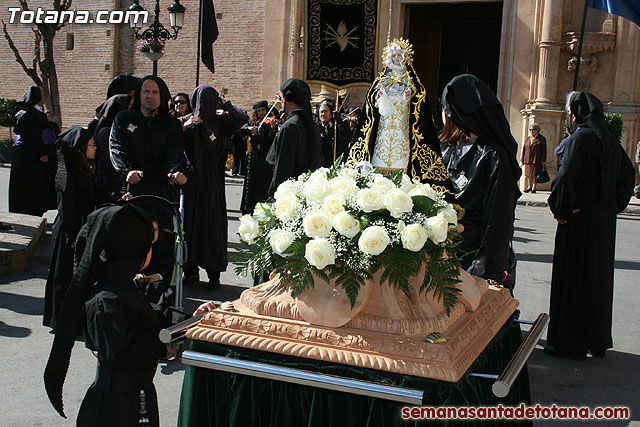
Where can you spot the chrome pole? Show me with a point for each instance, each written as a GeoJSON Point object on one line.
{"type": "Point", "coordinates": [296, 376]}
{"type": "Point", "coordinates": [503, 384]}
{"type": "Point", "coordinates": [178, 330]}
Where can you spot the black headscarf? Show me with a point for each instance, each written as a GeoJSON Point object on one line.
{"type": "Point", "coordinates": [589, 113]}
{"type": "Point", "coordinates": [471, 106]}
{"type": "Point", "coordinates": [31, 97]}
{"type": "Point", "coordinates": [204, 101]}
{"type": "Point", "coordinates": [165, 95]}
{"type": "Point", "coordinates": [298, 91]}
{"type": "Point", "coordinates": [260, 104]}
{"type": "Point", "coordinates": [109, 109]}
{"type": "Point", "coordinates": [122, 84]}
{"type": "Point", "coordinates": [115, 238]}
{"type": "Point", "coordinates": [70, 143]}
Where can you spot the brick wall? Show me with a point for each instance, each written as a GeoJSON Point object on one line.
{"type": "Point", "coordinates": [103, 51]}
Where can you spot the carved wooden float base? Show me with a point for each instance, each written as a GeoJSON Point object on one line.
{"type": "Point", "coordinates": [403, 354]}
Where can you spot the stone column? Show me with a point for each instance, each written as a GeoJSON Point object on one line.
{"type": "Point", "coordinates": [550, 45]}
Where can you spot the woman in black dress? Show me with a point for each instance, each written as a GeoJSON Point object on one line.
{"type": "Point", "coordinates": [76, 200]}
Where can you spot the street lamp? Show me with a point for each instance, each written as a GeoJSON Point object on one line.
{"type": "Point", "coordinates": [156, 30]}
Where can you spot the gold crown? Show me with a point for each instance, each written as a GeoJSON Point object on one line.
{"type": "Point", "coordinates": [406, 47]}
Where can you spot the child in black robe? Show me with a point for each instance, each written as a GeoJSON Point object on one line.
{"type": "Point", "coordinates": [119, 325]}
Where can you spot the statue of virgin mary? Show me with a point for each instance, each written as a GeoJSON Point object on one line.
{"type": "Point", "coordinates": [397, 131]}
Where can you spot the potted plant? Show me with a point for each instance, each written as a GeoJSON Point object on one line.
{"type": "Point", "coordinates": [343, 224]}
{"type": "Point", "coordinates": [152, 49]}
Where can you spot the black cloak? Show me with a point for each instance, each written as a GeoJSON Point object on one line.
{"type": "Point", "coordinates": [425, 159]}
{"type": "Point", "coordinates": [205, 216]}
{"type": "Point", "coordinates": [120, 326]}
{"type": "Point", "coordinates": [122, 84]}
{"type": "Point", "coordinates": [297, 146]}
{"type": "Point", "coordinates": [151, 144]}
{"type": "Point", "coordinates": [107, 183]}
{"type": "Point", "coordinates": [28, 190]}
{"type": "Point", "coordinates": [485, 179]}
{"type": "Point", "coordinates": [594, 184]}
{"type": "Point", "coordinates": [76, 200]}
{"type": "Point", "coordinates": [258, 172]}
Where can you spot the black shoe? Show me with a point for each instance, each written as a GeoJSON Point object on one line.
{"type": "Point", "coordinates": [214, 280]}
{"type": "Point", "coordinates": [533, 191]}
{"type": "Point", "coordinates": [601, 353]}
{"type": "Point", "coordinates": [527, 190]}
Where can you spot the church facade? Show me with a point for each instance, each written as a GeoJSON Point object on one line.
{"type": "Point", "coordinates": [526, 50]}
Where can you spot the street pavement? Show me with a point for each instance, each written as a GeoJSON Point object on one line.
{"type": "Point", "coordinates": [614, 380]}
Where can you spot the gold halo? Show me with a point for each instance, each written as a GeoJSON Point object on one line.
{"type": "Point", "coordinates": [406, 47]}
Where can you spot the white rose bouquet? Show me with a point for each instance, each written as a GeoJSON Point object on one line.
{"type": "Point", "coordinates": [344, 223]}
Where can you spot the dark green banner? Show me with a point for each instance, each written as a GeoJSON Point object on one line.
{"type": "Point", "coordinates": [341, 42]}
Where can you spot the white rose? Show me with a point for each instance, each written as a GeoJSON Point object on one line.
{"type": "Point", "coordinates": [424, 190]}
{"type": "Point", "coordinates": [249, 229]}
{"type": "Point", "coordinates": [397, 202]}
{"type": "Point", "coordinates": [382, 184]}
{"type": "Point", "coordinates": [450, 214]}
{"type": "Point", "coordinates": [319, 253]}
{"type": "Point", "coordinates": [280, 240]}
{"type": "Point", "coordinates": [438, 227]}
{"type": "Point", "coordinates": [286, 206]}
{"type": "Point", "coordinates": [370, 200]}
{"type": "Point", "coordinates": [343, 185]}
{"type": "Point", "coordinates": [333, 204]}
{"type": "Point", "coordinates": [316, 189]}
{"type": "Point", "coordinates": [283, 189]}
{"type": "Point", "coordinates": [319, 173]}
{"type": "Point", "coordinates": [316, 223]}
{"type": "Point", "coordinates": [346, 224]}
{"type": "Point", "coordinates": [406, 183]}
{"type": "Point", "coordinates": [374, 240]}
{"type": "Point", "coordinates": [413, 237]}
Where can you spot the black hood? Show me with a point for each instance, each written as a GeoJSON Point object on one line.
{"type": "Point", "coordinates": [165, 95]}
{"type": "Point", "coordinates": [471, 106]}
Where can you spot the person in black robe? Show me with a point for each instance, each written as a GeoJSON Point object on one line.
{"type": "Point", "coordinates": [594, 184]}
{"type": "Point", "coordinates": [326, 127]}
{"type": "Point", "coordinates": [76, 200]}
{"type": "Point", "coordinates": [108, 183]}
{"type": "Point", "coordinates": [118, 324]}
{"type": "Point", "coordinates": [205, 209]}
{"type": "Point", "coordinates": [28, 193]}
{"type": "Point", "coordinates": [259, 172]}
{"type": "Point", "coordinates": [146, 142]}
{"type": "Point", "coordinates": [480, 154]}
{"type": "Point", "coordinates": [296, 148]}
{"type": "Point", "coordinates": [49, 137]}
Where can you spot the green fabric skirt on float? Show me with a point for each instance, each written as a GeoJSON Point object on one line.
{"type": "Point", "coordinates": [216, 398]}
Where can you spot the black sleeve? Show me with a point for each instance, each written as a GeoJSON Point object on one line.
{"type": "Point", "coordinates": [234, 121]}
{"type": "Point", "coordinates": [113, 336]}
{"type": "Point", "coordinates": [176, 159]}
{"type": "Point", "coordinates": [563, 196]}
{"type": "Point", "coordinates": [282, 156]}
{"type": "Point", "coordinates": [70, 211]}
{"type": "Point", "coordinates": [498, 214]}
{"type": "Point", "coordinates": [31, 134]}
{"type": "Point", "coordinates": [119, 144]}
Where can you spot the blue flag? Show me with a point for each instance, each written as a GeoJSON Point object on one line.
{"type": "Point", "coordinates": [629, 9]}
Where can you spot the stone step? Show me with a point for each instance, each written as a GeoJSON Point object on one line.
{"type": "Point", "coordinates": [17, 245]}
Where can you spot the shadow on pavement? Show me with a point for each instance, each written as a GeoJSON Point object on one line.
{"type": "Point", "coordinates": [13, 331]}
{"type": "Point", "coordinates": [23, 304]}
{"type": "Point", "coordinates": [595, 382]}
